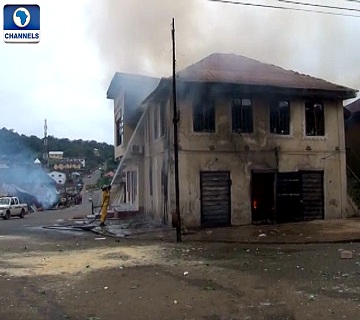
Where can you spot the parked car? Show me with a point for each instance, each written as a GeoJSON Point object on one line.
{"type": "Point", "coordinates": [11, 206]}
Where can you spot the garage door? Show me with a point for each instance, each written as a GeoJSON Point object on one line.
{"type": "Point", "coordinates": [288, 197]}
{"type": "Point", "coordinates": [313, 195]}
{"type": "Point", "coordinates": [215, 187]}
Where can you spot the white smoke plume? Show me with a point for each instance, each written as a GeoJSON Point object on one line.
{"type": "Point", "coordinates": [135, 36]}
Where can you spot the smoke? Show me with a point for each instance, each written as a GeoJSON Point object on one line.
{"type": "Point", "coordinates": [134, 36]}
{"type": "Point", "coordinates": [20, 177]}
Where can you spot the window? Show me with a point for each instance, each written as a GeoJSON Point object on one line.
{"type": "Point", "coordinates": [156, 123]}
{"type": "Point", "coordinates": [147, 128]}
{"type": "Point", "coordinates": [162, 115]}
{"type": "Point", "coordinates": [280, 117]}
{"type": "Point", "coordinates": [131, 186]}
{"type": "Point", "coordinates": [204, 116]}
{"type": "Point", "coordinates": [150, 179]}
{"type": "Point", "coordinates": [120, 131]}
{"type": "Point", "coordinates": [242, 117]}
{"type": "Point", "coordinates": [314, 119]}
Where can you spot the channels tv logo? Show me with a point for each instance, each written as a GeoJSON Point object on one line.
{"type": "Point", "coordinates": [21, 23]}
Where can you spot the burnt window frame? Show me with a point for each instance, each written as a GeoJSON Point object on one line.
{"type": "Point", "coordinates": [278, 120]}
{"type": "Point", "coordinates": [317, 128]}
{"type": "Point", "coordinates": [240, 121]}
{"type": "Point", "coordinates": [120, 130]}
{"type": "Point", "coordinates": [204, 115]}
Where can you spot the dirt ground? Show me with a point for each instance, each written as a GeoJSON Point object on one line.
{"type": "Point", "coordinates": [79, 276]}
{"type": "Point", "coordinates": [55, 275]}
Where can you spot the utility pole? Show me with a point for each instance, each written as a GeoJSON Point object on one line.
{"type": "Point", "coordinates": [46, 151]}
{"type": "Point", "coordinates": [176, 143]}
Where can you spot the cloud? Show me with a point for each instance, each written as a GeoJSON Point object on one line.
{"type": "Point", "coordinates": [58, 79]}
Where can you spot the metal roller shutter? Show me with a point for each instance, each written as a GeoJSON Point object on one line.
{"type": "Point", "coordinates": [288, 197]}
{"type": "Point", "coordinates": [313, 195]}
{"type": "Point", "coordinates": [215, 189]}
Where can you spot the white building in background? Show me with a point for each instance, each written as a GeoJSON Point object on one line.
{"type": "Point", "coordinates": [56, 154]}
{"type": "Point", "coordinates": [59, 177]}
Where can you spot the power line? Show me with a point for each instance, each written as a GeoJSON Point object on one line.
{"type": "Point", "coordinates": [284, 8]}
{"type": "Point", "coordinates": [358, 1]}
{"type": "Point", "coordinates": [318, 5]}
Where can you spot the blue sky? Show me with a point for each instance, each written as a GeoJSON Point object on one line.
{"type": "Point", "coordinates": [64, 78]}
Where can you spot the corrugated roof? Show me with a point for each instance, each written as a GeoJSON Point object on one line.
{"type": "Point", "coordinates": [354, 106]}
{"type": "Point", "coordinates": [237, 69]}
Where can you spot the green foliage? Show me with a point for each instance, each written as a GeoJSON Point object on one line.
{"type": "Point", "coordinates": [15, 146]}
{"type": "Point", "coordinates": [111, 165]}
{"type": "Point", "coordinates": [103, 181]}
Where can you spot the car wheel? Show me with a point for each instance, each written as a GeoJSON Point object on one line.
{"type": "Point", "coordinates": [22, 214]}
{"type": "Point", "coordinates": [7, 216]}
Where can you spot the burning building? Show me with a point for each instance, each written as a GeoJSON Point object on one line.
{"type": "Point", "coordinates": [256, 143]}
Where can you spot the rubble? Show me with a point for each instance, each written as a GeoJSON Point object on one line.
{"type": "Point", "coordinates": [346, 254]}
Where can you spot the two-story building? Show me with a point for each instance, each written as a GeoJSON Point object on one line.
{"type": "Point", "coordinates": [256, 143]}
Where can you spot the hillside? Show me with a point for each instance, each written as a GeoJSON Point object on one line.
{"type": "Point", "coordinates": [21, 148]}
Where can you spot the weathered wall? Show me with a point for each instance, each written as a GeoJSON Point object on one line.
{"type": "Point", "coordinates": [240, 153]}
{"type": "Point", "coordinates": [156, 156]}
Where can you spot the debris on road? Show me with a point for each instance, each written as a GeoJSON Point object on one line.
{"type": "Point", "coordinates": [346, 254]}
{"type": "Point", "coordinates": [262, 235]}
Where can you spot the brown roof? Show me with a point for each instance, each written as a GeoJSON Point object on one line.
{"type": "Point", "coordinates": [354, 106]}
{"type": "Point", "coordinates": [237, 69]}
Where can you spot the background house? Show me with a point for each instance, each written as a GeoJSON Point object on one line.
{"type": "Point", "coordinates": [256, 143]}
{"type": "Point", "coordinates": [56, 155]}
{"type": "Point", "coordinates": [353, 136]}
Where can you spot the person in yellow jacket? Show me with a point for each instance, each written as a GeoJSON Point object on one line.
{"type": "Point", "coordinates": [105, 204]}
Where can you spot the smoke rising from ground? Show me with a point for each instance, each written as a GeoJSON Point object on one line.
{"type": "Point", "coordinates": [134, 36]}
{"type": "Point", "coordinates": [20, 177]}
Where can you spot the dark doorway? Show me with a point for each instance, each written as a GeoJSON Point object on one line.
{"type": "Point", "coordinates": [262, 197]}
{"type": "Point", "coordinates": [287, 196]}
{"type": "Point", "coordinates": [215, 187]}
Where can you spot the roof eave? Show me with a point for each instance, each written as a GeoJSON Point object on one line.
{"type": "Point", "coordinates": [342, 93]}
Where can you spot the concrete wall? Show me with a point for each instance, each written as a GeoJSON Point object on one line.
{"type": "Point", "coordinates": [241, 153]}
{"type": "Point", "coordinates": [156, 156]}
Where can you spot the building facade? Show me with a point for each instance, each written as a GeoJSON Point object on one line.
{"type": "Point", "coordinates": [257, 143]}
